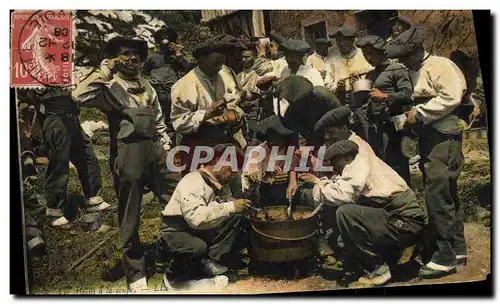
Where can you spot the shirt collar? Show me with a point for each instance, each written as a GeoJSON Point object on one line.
{"type": "Point", "coordinates": [318, 55]}
{"type": "Point", "coordinates": [351, 54]}
{"type": "Point", "coordinates": [202, 75]}
{"type": "Point", "coordinates": [216, 183]}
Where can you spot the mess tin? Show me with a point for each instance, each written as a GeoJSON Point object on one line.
{"type": "Point", "coordinates": [399, 121]}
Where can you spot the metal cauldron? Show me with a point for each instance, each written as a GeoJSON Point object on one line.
{"type": "Point", "coordinates": [283, 240]}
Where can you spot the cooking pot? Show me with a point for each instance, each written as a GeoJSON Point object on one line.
{"type": "Point", "coordinates": [286, 240]}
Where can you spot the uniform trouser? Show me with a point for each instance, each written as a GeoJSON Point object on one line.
{"type": "Point", "coordinates": [372, 236]}
{"type": "Point", "coordinates": [65, 142]}
{"type": "Point", "coordinates": [386, 144]}
{"type": "Point", "coordinates": [184, 247]}
{"type": "Point", "coordinates": [139, 163]}
{"type": "Point", "coordinates": [441, 163]}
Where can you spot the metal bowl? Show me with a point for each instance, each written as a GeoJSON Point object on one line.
{"type": "Point", "coordinates": [91, 222]}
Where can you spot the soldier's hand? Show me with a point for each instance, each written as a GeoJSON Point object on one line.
{"type": "Point", "coordinates": [166, 147]}
{"type": "Point", "coordinates": [291, 190]}
{"type": "Point", "coordinates": [240, 205]}
{"type": "Point", "coordinates": [411, 118]}
{"type": "Point", "coordinates": [308, 178]}
{"type": "Point", "coordinates": [378, 95]}
{"type": "Point", "coordinates": [341, 86]}
{"type": "Point", "coordinates": [216, 106]}
{"type": "Point", "coordinates": [254, 176]}
{"type": "Point", "coordinates": [112, 64]}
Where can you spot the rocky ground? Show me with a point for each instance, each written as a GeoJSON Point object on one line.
{"type": "Point", "coordinates": [103, 272]}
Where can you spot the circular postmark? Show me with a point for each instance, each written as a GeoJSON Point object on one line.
{"type": "Point", "coordinates": [45, 47]}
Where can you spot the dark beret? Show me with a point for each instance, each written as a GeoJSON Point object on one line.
{"type": "Point", "coordinates": [334, 118]}
{"type": "Point", "coordinates": [341, 148]}
{"type": "Point", "coordinates": [273, 123]}
{"type": "Point", "coordinates": [295, 45]}
{"type": "Point", "coordinates": [220, 44]}
{"type": "Point", "coordinates": [402, 19]}
{"type": "Point", "coordinates": [233, 43]}
{"type": "Point", "coordinates": [344, 31]}
{"type": "Point", "coordinates": [324, 95]}
{"type": "Point", "coordinates": [406, 42]}
{"type": "Point", "coordinates": [113, 46]}
{"type": "Point", "coordinates": [323, 41]}
{"type": "Point", "coordinates": [294, 88]}
{"type": "Point", "coordinates": [375, 41]}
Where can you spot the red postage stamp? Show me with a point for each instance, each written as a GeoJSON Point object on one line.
{"type": "Point", "coordinates": [42, 44]}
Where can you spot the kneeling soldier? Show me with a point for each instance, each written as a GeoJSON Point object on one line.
{"type": "Point", "coordinates": [376, 213]}
{"type": "Point", "coordinates": [202, 231]}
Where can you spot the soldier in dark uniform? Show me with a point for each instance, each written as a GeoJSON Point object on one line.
{"type": "Point", "coordinates": [139, 142]}
{"type": "Point", "coordinates": [391, 95]}
{"type": "Point", "coordinates": [65, 141]}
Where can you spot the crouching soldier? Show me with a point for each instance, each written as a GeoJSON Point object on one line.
{"type": "Point", "coordinates": [138, 142]}
{"type": "Point", "coordinates": [203, 231]}
{"type": "Point", "coordinates": [376, 212]}
{"type": "Point", "coordinates": [270, 182]}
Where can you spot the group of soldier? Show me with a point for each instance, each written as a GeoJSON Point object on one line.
{"type": "Point", "coordinates": [361, 102]}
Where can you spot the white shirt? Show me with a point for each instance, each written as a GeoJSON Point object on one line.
{"type": "Point", "coordinates": [307, 72]}
{"type": "Point", "coordinates": [194, 93]}
{"type": "Point", "coordinates": [342, 67]}
{"type": "Point", "coordinates": [320, 63]}
{"type": "Point", "coordinates": [441, 81]}
{"type": "Point", "coordinates": [367, 175]}
{"type": "Point", "coordinates": [197, 203]}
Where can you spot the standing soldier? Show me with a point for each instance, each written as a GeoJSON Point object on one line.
{"type": "Point", "coordinates": [320, 59]}
{"type": "Point", "coordinates": [139, 142]}
{"type": "Point", "coordinates": [347, 65]}
{"type": "Point", "coordinates": [65, 141]}
{"type": "Point", "coordinates": [438, 88]}
{"type": "Point", "coordinates": [398, 25]}
{"type": "Point", "coordinates": [391, 95]}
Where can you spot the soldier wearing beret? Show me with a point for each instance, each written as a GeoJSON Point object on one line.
{"type": "Point", "coordinates": [320, 59]}
{"type": "Point", "coordinates": [398, 25]}
{"type": "Point", "coordinates": [376, 213]}
{"type": "Point", "coordinates": [295, 51]}
{"type": "Point", "coordinates": [391, 95]}
{"type": "Point", "coordinates": [138, 144]}
{"type": "Point", "coordinates": [205, 101]}
{"type": "Point", "coordinates": [348, 65]}
{"type": "Point", "coordinates": [438, 88]}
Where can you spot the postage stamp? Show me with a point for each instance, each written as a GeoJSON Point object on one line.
{"type": "Point", "coordinates": [42, 44]}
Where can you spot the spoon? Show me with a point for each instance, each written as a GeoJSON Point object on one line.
{"type": "Point", "coordinates": [289, 209]}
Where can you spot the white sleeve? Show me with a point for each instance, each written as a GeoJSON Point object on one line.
{"type": "Point", "coordinates": [449, 83]}
{"type": "Point", "coordinates": [160, 127]}
{"type": "Point", "coordinates": [346, 189]}
{"type": "Point", "coordinates": [184, 119]}
{"type": "Point", "coordinates": [90, 92]}
{"type": "Point", "coordinates": [198, 211]}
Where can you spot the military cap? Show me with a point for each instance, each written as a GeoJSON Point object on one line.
{"type": "Point", "coordinates": [406, 42]}
{"type": "Point", "coordinates": [375, 41]}
{"type": "Point", "coordinates": [113, 46]}
{"type": "Point", "coordinates": [295, 45]}
{"type": "Point", "coordinates": [341, 148]}
{"type": "Point", "coordinates": [344, 31]}
{"type": "Point", "coordinates": [402, 19]}
{"type": "Point", "coordinates": [273, 123]}
{"type": "Point", "coordinates": [334, 118]}
{"type": "Point", "coordinates": [294, 88]}
{"type": "Point", "coordinates": [322, 41]}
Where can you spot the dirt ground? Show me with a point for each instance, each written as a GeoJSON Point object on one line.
{"type": "Point", "coordinates": [102, 271]}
